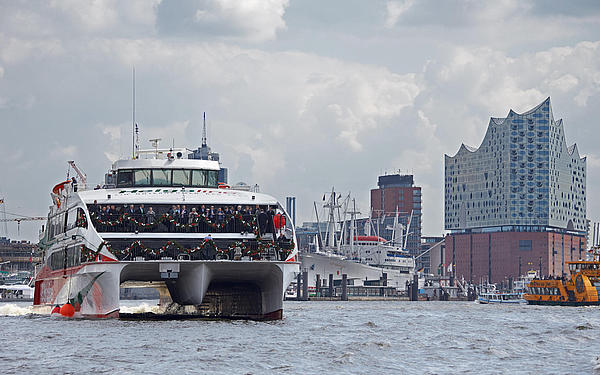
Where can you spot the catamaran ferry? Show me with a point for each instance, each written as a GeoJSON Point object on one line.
{"type": "Point", "coordinates": [164, 221]}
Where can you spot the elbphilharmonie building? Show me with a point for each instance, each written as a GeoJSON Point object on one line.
{"type": "Point", "coordinates": [518, 201]}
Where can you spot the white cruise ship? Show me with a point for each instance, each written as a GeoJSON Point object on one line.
{"type": "Point", "coordinates": [165, 222]}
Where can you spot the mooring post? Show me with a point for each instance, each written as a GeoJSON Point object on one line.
{"type": "Point", "coordinates": [344, 287]}
{"type": "Point", "coordinates": [318, 286]}
{"type": "Point", "coordinates": [414, 295]}
{"type": "Point", "coordinates": [330, 285]}
{"type": "Point", "coordinates": [298, 286]}
{"type": "Point", "coordinates": [305, 286]}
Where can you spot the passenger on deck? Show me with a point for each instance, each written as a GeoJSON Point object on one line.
{"type": "Point", "coordinates": [150, 216]}
{"type": "Point", "coordinates": [271, 223]}
{"type": "Point", "coordinates": [183, 217]}
{"type": "Point", "coordinates": [94, 208]}
{"type": "Point", "coordinates": [193, 221]}
{"type": "Point", "coordinates": [220, 215]}
{"type": "Point", "coordinates": [263, 222]}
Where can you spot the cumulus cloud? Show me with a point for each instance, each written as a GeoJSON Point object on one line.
{"type": "Point", "coordinates": [395, 9]}
{"type": "Point", "coordinates": [251, 20]}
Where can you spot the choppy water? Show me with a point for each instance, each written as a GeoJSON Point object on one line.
{"type": "Point", "coordinates": [313, 338]}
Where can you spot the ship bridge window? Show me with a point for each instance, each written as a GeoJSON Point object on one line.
{"type": "Point", "coordinates": [213, 177]}
{"type": "Point", "coordinates": [181, 177]}
{"type": "Point", "coordinates": [167, 177]}
{"type": "Point", "coordinates": [142, 177]}
{"type": "Point", "coordinates": [161, 177]}
{"type": "Point", "coordinates": [199, 178]}
{"type": "Point", "coordinates": [125, 178]}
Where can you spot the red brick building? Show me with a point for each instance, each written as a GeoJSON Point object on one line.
{"type": "Point", "coordinates": [397, 193]}
{"type": "Point", "coordinates": [499, 255]}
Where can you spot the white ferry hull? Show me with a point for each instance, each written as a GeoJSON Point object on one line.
{"type": "Point", "coordinates": [213, 289]}
{"type": "Point", "coordinates": [324, 264]}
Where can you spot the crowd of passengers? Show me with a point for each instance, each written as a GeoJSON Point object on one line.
{"type": "Point", "coordinates": [184, 218]}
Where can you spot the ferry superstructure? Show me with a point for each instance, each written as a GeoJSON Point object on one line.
{"type": "Point", "coordinates": [580, 288]}
{"type": "Point", "coordinates": [165, 222]}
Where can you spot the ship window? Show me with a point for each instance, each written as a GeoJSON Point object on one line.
{"type": "Point", "coordinates": [125, 178]}
{"type": "Point", "coordinates": [142, 177]}
{"type": "Point", "coordinates": [81, 218]}
{"type": "Point", "coordinates": [161, 177]}
{"type": "Point", "coordinates": [71, 219]}
{"type": "Point", "coordinates": [213, 177]}
{"type": "Point", "coordinates": [181, 177]}
{"type": "Point", "coordinates": [57, 259]}
{"type": "Point", "coordinates": [199, 178]}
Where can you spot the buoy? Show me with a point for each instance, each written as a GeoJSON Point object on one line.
{"type": "Point", "coordinates": [55, 310]}
{"type": "Point", "coordinates": [67, 310]}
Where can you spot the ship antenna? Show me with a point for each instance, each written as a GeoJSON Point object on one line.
{"type": "Point", "coordinates": [204, 130]}
{"type": "Point", "coordinates": [137, 142]}
{"type": "Point", "coordinates": [133, 119]}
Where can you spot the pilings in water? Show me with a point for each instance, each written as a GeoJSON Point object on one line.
{"type": "Point", "coordinates": [413, 288]}
{"type": "Point", "coordinates": [304, 285]}
{"type": "Point", "coordinates": [298, 286]}
{"type": "Point", "coordinates": [344, 287]}
{"type": "Point", "coordinates": [330, 285]}
{"type": "Point", "coordinates": [318, 286]}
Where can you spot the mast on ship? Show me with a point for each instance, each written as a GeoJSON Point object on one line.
{"type": "Point", "coordinates": [353, 214]}
{"type": "Point", "coordinates": [331, 205]}
{"type": "Point", "coordinates": [133, 124]}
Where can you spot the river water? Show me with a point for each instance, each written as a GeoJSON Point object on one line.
{"type": "Point", "coordinates": [313, 338]}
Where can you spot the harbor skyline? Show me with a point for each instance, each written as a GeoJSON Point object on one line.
{"type": "Point", "coordinates": [295, 92]}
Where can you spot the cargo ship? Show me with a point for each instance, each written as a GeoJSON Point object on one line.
{"type": "Point", "coordinates": [163, 221]}
{"type": "Point", "coordinates": [580, 288]}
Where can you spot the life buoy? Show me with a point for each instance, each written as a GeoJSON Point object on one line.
{"type": "Point", "coordinates": [223, 185]}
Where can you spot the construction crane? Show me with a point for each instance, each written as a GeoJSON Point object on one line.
{"type": "Point", "coordinates": [4, 215]}
{"type": "Point", "coordinates": [18, 221]}
{"type": "Point", "coordinates": [82, 176]}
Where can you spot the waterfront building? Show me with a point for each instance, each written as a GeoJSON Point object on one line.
{"type": "Point", "coordinates": [290, 207]}
{"type": "Point", "coordinates": [397, 193]}
{"type": "Point", "coordinates": [517, 202]}
{"type": "Point", "coordinates": [17, 256]}
{"type": "Point", "coordinates": [425, 260]}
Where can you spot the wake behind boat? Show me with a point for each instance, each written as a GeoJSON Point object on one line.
{"type": "Point", "coordinates": [165, 222]}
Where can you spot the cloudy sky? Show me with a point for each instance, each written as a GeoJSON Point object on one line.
{"type": "Point", "coordinates": [300, 95]}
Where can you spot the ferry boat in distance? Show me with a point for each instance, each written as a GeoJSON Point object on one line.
{"type": "Point", "coordinates": [582, 288]}
{"type": "Point", "coordinates": [163, 221]}
{"type": "Point", "coordinates": [489, 293]}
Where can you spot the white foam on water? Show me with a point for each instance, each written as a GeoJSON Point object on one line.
{"type": "Point", "coordinates": [10, 309]}
{"type": "Point", "coordinates": [142, 308]}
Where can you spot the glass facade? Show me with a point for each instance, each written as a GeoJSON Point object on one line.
{"type": "Point", "coordinates": [522, 174]}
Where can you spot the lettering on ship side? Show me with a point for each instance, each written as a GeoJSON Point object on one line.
{"type": "Point", "coordinates": [169, 191]}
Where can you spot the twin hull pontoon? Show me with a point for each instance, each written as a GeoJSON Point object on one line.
{"type": "Point", "coordinates": [166, 224]}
